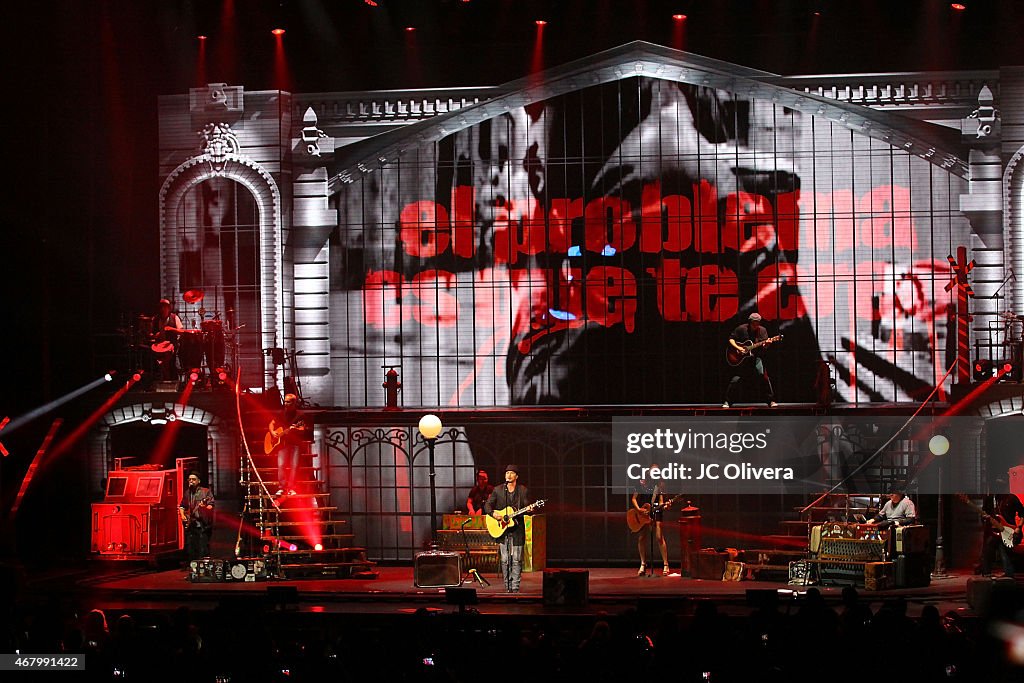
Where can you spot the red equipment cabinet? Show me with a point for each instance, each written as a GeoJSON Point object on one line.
{"type": "Point", "coordinates": [138, 518]}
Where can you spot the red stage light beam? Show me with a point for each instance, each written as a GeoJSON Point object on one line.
{"type": "Point", "coordinates": [34, 466]}
{"type": "Point", "coordinates": [679, 31]}
{"type": "Point", "coordinates": [282, 80]}
{"type": "Point", "coordinates": [537, 62]}
{"type": "Point", "coordinates": [93, 418]}
{"type": "Point", "coordinates": [165, 443]}
{"type": "Point", "coordinates": [2, 425]}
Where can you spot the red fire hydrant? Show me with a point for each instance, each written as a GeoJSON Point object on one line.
{"type": "Point", "coordinates": [391, 388]}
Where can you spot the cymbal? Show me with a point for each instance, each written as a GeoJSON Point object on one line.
{"type": "Point", "coordinates": [193, 296]}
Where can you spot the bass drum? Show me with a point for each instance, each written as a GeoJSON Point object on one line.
{"type": "Point", "coordinates": [190, 349]}
{"type": "Point", "coordinates": [213, 343]}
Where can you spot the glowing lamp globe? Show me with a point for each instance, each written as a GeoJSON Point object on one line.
{"type": "Point", "coordinates": [430, 426]}
{"type": "Point", "coordinates": [938, 445]}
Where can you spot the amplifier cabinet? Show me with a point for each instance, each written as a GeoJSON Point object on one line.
{"type": "Point", "coordinates": [437, 569]}
{"type": "Point", "coordinates": [913, 571]}
{"type": "Point", "coordinates": [911, 540]}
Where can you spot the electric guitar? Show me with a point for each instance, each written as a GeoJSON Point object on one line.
{"type": "Point", "coordinates": [735, 356]}
{"type": "Point", "coordinates": [497, 528]}
{"type": "Point", "coordinates": [1006, 530]}
{"type": "Point", "coordinates": [638, 519]}
{"type": "Point", "coordinates": [275, 435]}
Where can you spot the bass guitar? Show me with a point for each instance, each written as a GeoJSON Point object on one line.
{"type": "Point", "coordinates": [1006, 530]}
{"type": "Point", "coordinates": [497, 527]}
{"type": "Point", "coordinates": [638, 519]}
{"type": "Point", "coordinates": [734, 356]}
{"type": "Point", "coordinates": [275, 435]}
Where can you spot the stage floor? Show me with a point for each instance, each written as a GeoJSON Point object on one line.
{"type": "Point", "coordinates": [393, 592]}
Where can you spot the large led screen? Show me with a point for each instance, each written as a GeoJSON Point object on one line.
{"type": "Point", "coordinates": [600, 246]}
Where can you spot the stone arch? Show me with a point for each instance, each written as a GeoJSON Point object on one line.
{"type": "Point", "coordinates": [1013, 223]}
{"type": "Point", "coordinates": [264, 189]}
{"type": "Point", "coordinates": [220, 436]}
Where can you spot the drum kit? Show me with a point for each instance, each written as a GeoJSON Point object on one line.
{"type": "Point", "coordinates": [205, 341]}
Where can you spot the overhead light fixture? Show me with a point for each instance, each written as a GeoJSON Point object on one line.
{"type": "Point", "coordinates": [278, 31]}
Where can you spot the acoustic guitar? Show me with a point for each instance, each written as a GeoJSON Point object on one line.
{"type": "Point", "coordinates": [735, 356]}
{"type": "Point", "coordinates": [275, 435]}
{"type": "Point", "coordinates": [638, 519]}
{"type": "Point", "coordinates": [497, 528]}
{"type": "Point", "coordinates": [1006, 530]}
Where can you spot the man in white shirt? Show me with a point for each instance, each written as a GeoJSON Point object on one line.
{"type": "Point", "coordinates": [897, 511]}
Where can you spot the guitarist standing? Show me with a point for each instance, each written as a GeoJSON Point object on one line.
{"type": "Point", "coordinates": [289, 426]}
{"type": "Point", "coordinates": [196, 512]}
{"type": "Point", "coordinates": [649, 498]}
{"type": "Point", "coordinates": [750, 332]}
{"type": "Point", "coordinates": [510, 545]}
{"type": "Point", "coordinates": [1009, 511]}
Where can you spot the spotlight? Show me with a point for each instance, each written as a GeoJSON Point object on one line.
{"type": "Point", "coordinates": [109, 376]}
{"type": "Point", "coordinates": [137, 376]}
{"type": "Point", "coordinates": [959, 7]}
{"type": "Point", "coordinates": [278, 32]}
{"type": "Point", "coordinates": [410, 29]}
{"type": "Point", "coordinates": [200, 37]}
{"type": "Point", "coordinates": [679, 17]}
{"type": "Point", "coordinates": [371, 3]}
{"type": "Point", "coordinates": [318, 547]}
{"type": "Point", "coordinates": [193, 375]}
{"type": "Point", "coordinates": [541, 22]}
{"type": "Point", "coordinates": [982, 369]}
{"type": "Point", "coordinates": [293, 547]}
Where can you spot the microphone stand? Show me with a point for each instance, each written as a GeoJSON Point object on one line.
{"type": "Point", "coordinates": [471, 571]}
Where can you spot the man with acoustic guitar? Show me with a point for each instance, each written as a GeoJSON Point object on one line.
{"type": "Point", "coordinates": [745, 341]}
{"type": "Point", "coordinates": [510, 545]}
{"type": "Point", "coordinates": [286, 434]}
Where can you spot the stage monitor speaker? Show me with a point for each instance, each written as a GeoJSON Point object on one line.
{"type": "Point", "coordinates": [566, 587]}
{"type": "Point", "coordinates": [984, 594]}
{"type": "Point", "coordinates": [437, 569]}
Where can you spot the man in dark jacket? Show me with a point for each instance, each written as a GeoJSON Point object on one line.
{"type": "Point", "coordinates": [510, 546]}
{"type": "Point", "coordinates": [196, 510]}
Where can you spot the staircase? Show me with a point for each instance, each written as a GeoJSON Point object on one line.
{"type": "Point", "coordinates": [290, 525]}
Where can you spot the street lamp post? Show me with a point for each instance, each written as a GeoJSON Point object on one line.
{"type": "Point", "coordinates": [430, 427]}
{"type": "Point", "coordinates": [939, 446]}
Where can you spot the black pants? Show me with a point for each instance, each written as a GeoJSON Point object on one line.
{"type": "Point", "coordinates": [197, 542]}
{"type": "Point", "coordinates": [992, 548]}
{"type": "Point", "coordinates": [752, 367]}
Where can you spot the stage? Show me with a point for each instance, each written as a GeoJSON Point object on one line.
{"type": "Point", "coordinates": [610, 590]}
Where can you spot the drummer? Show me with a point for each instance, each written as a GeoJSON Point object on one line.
{"type": "Point", "coordinates": [166, 328]}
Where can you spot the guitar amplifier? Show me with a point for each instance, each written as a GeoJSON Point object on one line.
{"type": "Point", "coordinates": [913, 571]}
{"type": "Point", "coordinates": [911, 540]}
{"type": "Point", "coordinates": [437, 569]}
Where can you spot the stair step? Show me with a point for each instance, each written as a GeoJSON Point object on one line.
{"type": "Point", "coordinates": [263, 496]}
{"type": "Point", "coordinates": [308, 522]}
{"type": "Point", "coordinates": [302, 537]}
